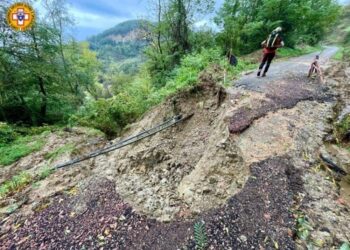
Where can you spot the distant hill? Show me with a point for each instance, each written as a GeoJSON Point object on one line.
{"type": "Point", "coordinates": [124, 41]}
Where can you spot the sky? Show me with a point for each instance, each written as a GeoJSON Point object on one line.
{"type": "Point", "coordinates": [94, 16]}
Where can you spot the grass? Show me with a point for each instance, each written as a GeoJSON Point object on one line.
{"type": "Point", "coordinates": [44, 173]}
{"type": "Point", "coordinates": [17, 142]}
{"type": "Point", "coordinates": [22, 146]}
{"type": "Point", "coordinates": [298, 51]}
{"type": "Point", "coordinates": [68, 148]}
{"type": "Point", "coordinates": [339, 55]}
{"type": "Point", "coordinates": [16, 184]}
{"type": "Point", "coordinates": [186, 75]}
{"type": "Point", "coordinates": [22, 180]}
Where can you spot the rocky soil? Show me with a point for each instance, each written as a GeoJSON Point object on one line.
{"type": "Point", "coordinates": [246, 165]}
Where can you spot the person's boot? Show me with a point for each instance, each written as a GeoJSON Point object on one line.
{"type": "Point", "coordinates": [264, 74]}
{"type": "Point", "coordinates": [259, 72]}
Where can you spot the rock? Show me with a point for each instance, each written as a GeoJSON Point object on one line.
{"type": "Point", "coordinates": [243, 238]}
{"type": "Point", "coordinates": [207, 190]}
{"type": "Point", "coordinates": [122, 218]}
{"type": "Point", "coordinates": [329, 139]}
{"type": "Point", "coordinates": [143, 168]}
{"type": "Point", "coordinates": [213, 180]}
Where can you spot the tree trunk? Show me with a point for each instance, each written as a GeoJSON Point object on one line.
{"type": "Point", "coordinates": [41, 83]}
{"type": "Point", "coordinates": [43, 108]}
{"type": "Point", "coordinates": [159, 31]}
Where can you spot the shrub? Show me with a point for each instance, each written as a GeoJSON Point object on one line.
{"type": "Point", "coordinates": [7, 133]}
{"type": "Point", "coordinates": [112, 115]}
{"type": "Point", "coordinates": [17, 183]}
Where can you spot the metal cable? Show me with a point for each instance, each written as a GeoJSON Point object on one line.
{"type": "Point", "coordinates": [147, 133]}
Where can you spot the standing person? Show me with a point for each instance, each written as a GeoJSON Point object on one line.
{"type": "Point", "coordinates": [316, 68]}
{"type": "Point", "coordinates": [270, 45]}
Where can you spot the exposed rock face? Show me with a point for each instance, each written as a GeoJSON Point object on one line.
{"type": "Point", "coordinates": [134, 35]}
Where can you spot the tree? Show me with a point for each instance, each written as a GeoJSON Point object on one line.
{"type": "Point", "coordinates": [170, 35]}
{"type": "Point", "coordinates": [43, 77]}
{"type": "Point", "coordinates": [246, 23]}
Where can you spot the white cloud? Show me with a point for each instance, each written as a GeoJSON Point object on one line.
{"type": "Point", "coordinates": [92, 20]}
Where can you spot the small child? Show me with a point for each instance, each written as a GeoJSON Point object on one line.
{"type": "Point", "coordinates": [315, 68]}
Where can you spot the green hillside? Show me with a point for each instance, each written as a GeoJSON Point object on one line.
{"type": "Point", "coordinates": [123, 41]}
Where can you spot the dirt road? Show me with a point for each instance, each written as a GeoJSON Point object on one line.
{"type": "Point", "coordinates": [295, 68]}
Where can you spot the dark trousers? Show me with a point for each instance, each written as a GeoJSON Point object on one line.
{"type": "Point", "coordinates": [266, 59]}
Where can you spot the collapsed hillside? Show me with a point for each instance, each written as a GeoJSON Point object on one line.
{"type": "Point", "coordinates": [246, 164]}
{"type": "Point", "coordinates": [186, 169]}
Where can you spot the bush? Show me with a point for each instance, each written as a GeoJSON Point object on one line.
{"type": "Point", "coordinates": [186, 74]}
{"type": "Point", "coordinates": [97, 114]}
{"type": "Point", "coordinates": [7, 133]}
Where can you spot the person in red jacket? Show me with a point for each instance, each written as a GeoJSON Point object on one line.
{"type": "Point", "coordinates": [270, 45]}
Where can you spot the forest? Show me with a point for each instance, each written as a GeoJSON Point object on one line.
{"type": "Point", "coordinates": [48, 78]}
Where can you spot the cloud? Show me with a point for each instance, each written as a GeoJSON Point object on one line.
{"type": "Point", "coordinates": [94, 16]}
{"type": "Point", "coordinates": [110, 8]}
{"type": "Point", "coordinates": [93, 20]}
{"type": "Point", "coordinates": [102, 7]}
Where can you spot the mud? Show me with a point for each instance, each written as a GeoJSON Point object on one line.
{"type": "Point", "coordinates": [285, 95]}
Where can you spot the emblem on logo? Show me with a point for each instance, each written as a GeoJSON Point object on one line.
{"type": "Point", "coordinates": [20, 16]}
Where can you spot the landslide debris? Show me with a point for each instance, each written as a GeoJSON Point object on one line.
{"type": "Point", "coordinates": [184, 170]}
